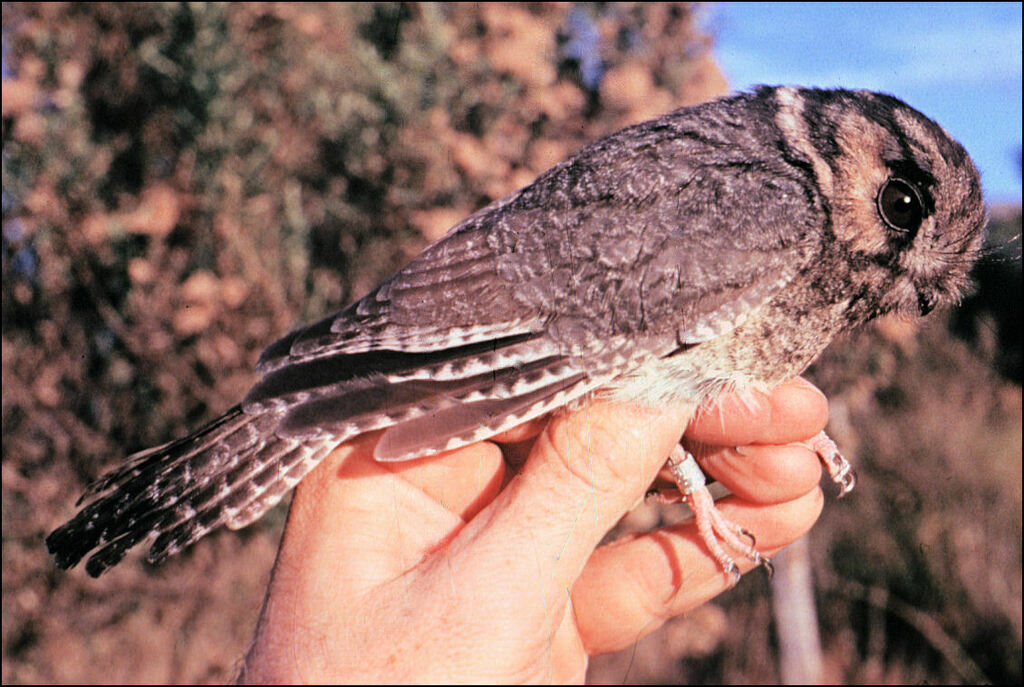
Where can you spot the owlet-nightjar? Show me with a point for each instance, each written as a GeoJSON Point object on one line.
{"type": "Point", "coordinates": [718, 247]}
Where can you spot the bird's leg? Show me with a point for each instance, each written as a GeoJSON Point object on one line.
{"type": "Point", "coordinates": [713, 527]}
{"type": "Point", "coordinates": [711, 524]}
{"type": "Point", "coordinates": [839, 468]}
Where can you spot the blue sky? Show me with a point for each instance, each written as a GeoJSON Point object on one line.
{"type": "Point", "coordinates": [959, 63]}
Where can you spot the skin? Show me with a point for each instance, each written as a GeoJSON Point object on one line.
{"type": "Point", "coordinates": [483, 564]}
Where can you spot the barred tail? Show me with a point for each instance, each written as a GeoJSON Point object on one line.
{"type": "Point", "coordinates": [227, 473]}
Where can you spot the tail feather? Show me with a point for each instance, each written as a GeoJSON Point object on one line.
{"type": "Point", "coordinates": [109, 554]}
{"type": "Point", "coordinates": [244, 495]}
{"type": "Point", "coordinates": [183, 484]}
{"type": "Point", "coordinates": [146, 462]}
{"type": "Point", "coordinates": [162, 487]}
{"type": "Point", "coordinates": [241, 464]}
{"type": "Point", "coordinates": [275, 490]}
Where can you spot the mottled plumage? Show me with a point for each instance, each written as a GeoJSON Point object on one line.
{"type": "Point", "coordinates": [721, 246]}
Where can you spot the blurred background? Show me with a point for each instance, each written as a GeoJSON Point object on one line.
{"type": "Point", "coordinates": [183, 183]}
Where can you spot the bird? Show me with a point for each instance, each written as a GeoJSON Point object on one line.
{"type": "Point", "coordinates": [717, 248]}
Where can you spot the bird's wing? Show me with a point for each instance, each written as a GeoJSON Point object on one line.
{"type": "Point", "coordinates": [634, 247]}
{"type": "Point", "coordinates": [444, 353]}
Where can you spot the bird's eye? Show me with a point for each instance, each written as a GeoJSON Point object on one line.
{"type": "Point", "coordinates": [900, 205]}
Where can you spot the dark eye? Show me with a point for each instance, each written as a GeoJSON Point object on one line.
{"type": "Point", "coordinates": [899, 204]}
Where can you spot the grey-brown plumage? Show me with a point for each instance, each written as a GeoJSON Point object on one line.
{"type": "Point", "coordinates": [721, 246]}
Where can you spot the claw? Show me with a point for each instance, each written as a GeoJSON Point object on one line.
{"type": "Point", "coordinates": [847, 482]}
{"type": "Point", "coordinates": [762, 561]}
{"type": "Point", "coordinates": [839, 468]}
{"type": "Point", "coordinates": [713, 527]}
{"type": "Point", "coordinates": [732, 569]}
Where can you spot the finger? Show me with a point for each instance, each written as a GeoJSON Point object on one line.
{"type": "Point", "coordinates": [761, 474]}
{"type": "Point", "coordinates": [463, 481]}
{"type": "Point", "coordinates": [586, 470]}
{"type": "Point", "coordinates": [352, 525]}
{"type": "Point", "coordinates": [527, 430]}
{"type": "Point", "coordinates": [794, 411]}
{"type": "Point", "coordinates": [630, 587]}
{"type": "Point", "coordinates": [516, 443]}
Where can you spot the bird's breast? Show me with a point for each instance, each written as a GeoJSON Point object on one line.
{"type": "Point", "coordinates": [776, 342]}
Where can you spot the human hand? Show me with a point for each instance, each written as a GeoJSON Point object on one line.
{"type": "Point", "coordinates": [453, 569]}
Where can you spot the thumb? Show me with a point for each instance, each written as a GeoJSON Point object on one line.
{"type": "Point", "coordinates": [586, 469]}
{"type": "Point", "coordinates": [592, 465]}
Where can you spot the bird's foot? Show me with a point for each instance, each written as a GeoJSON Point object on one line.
{"type": "Point", "coordinates": [839, 468]}
{"type": "Point", "coordinates": [714, 528]}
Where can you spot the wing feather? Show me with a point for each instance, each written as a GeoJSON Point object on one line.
{"type": "Point", "coordinates": [570, 277]}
